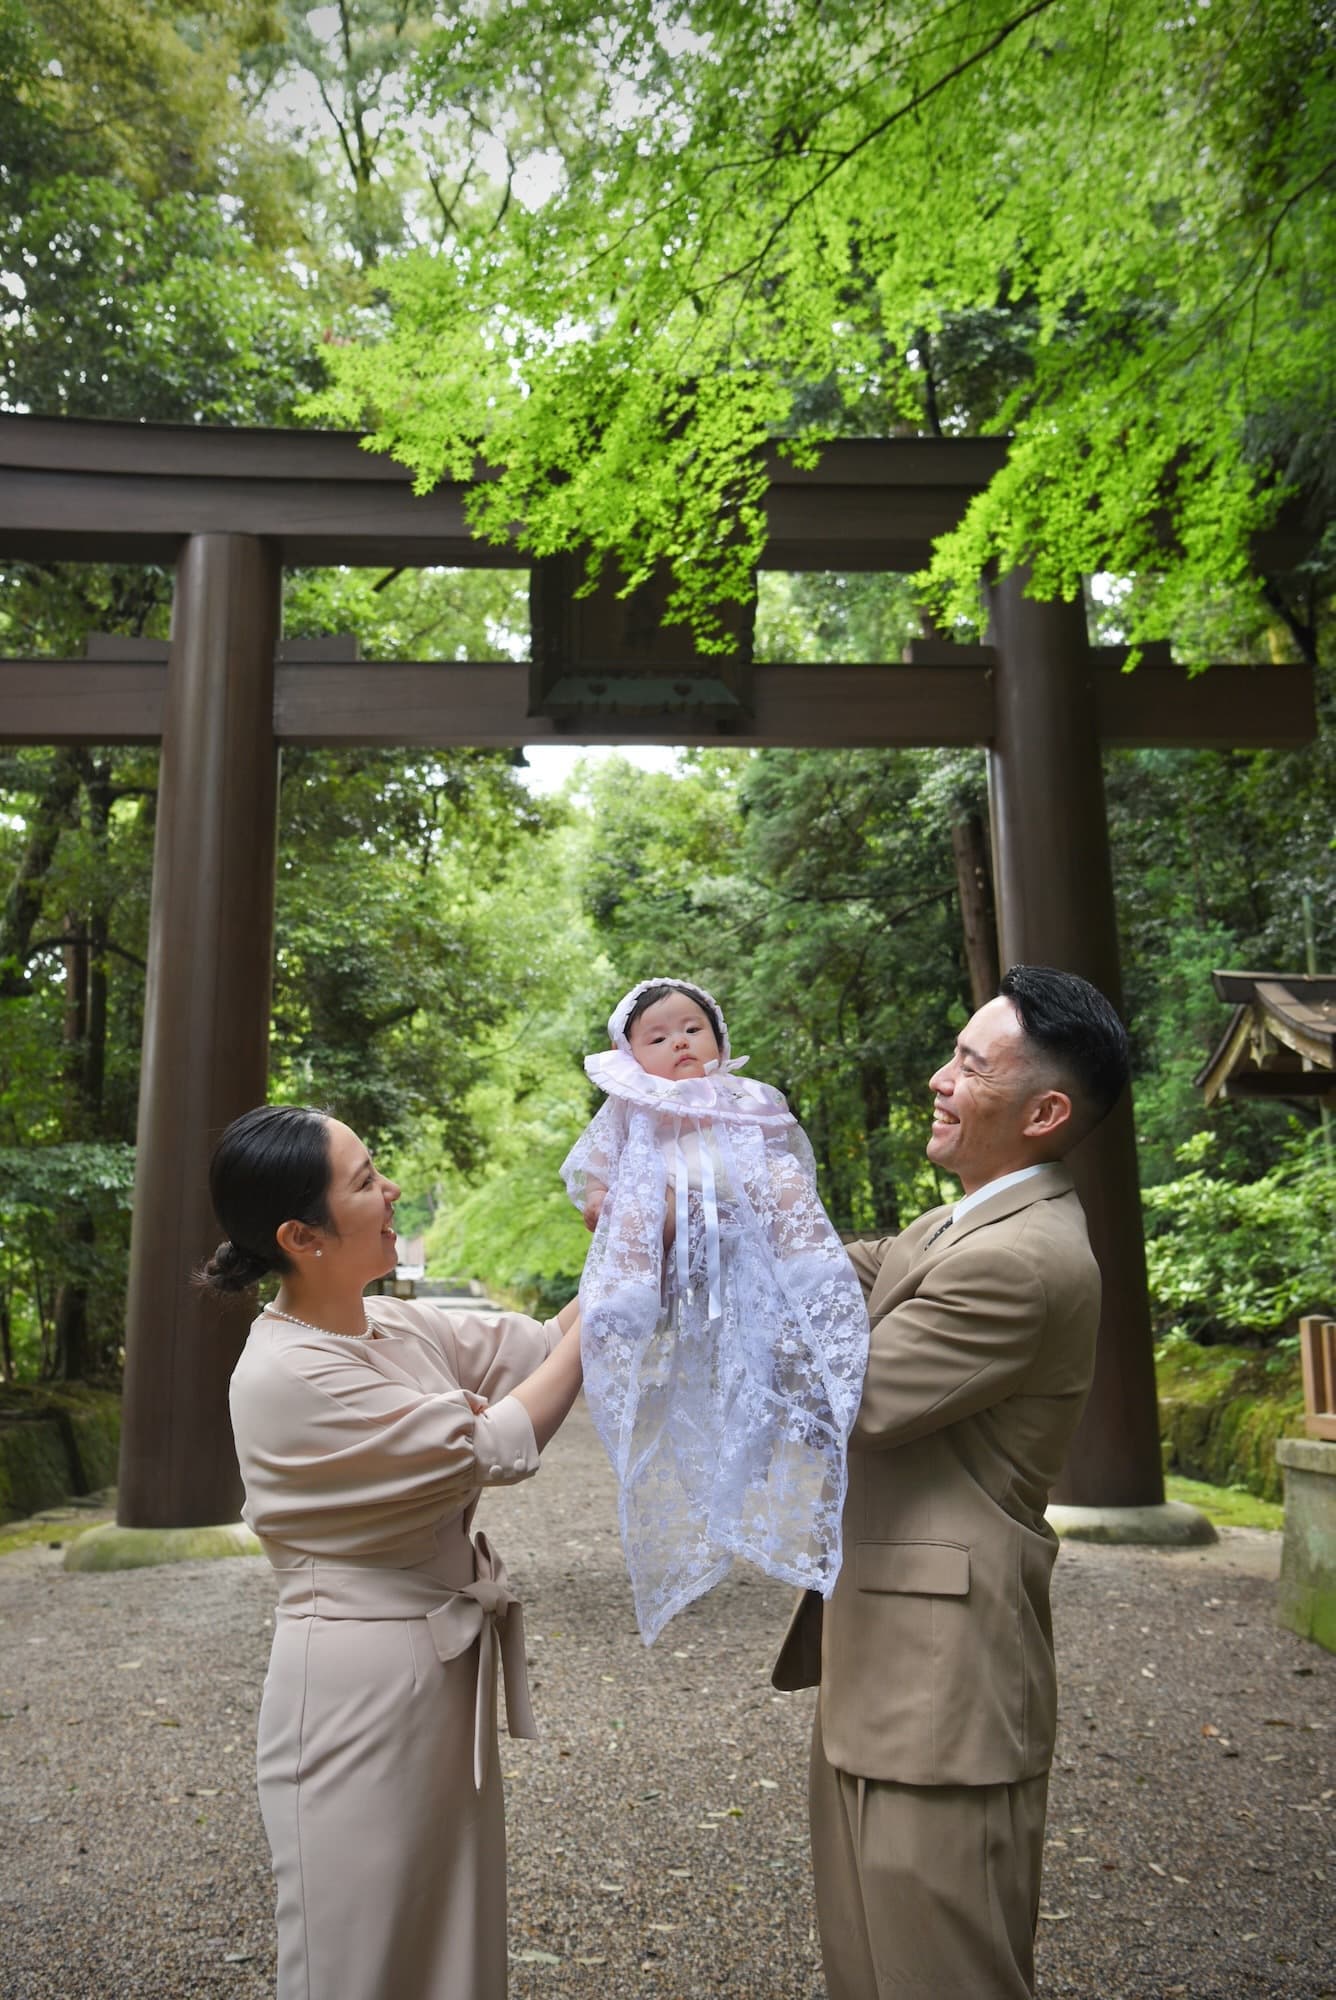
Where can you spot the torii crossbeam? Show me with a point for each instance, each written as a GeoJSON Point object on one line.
{"type": "Point", "coordinates": [230, 508]}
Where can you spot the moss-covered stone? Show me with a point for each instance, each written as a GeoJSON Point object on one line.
{"type": "Point", "coordinates": [34, 1466]}
{"type": "Point", "coordinates": [1173, 1525]}
{"type": "Point", "coordinates": [1222, 1410]}
{"type": "Point", "coordinates": [56, 1440]}
{"type": "Point", "coordinates": [113, 1547]}
{"type": "Point", "coordinates": [1226, 1506]}
{"type": "Point", "coordinates": [95, 1437]}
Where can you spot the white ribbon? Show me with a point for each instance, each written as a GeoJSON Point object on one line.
{"type": "Point", "coordinates": [710, 1214]}
{"type": "Point", "coordinates": [711, 1211]}
{"type": "Point", "coordinates": [681, 1189]}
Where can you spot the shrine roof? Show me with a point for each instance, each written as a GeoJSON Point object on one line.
{"type": "Point", "coordinates": [1281, 1038]}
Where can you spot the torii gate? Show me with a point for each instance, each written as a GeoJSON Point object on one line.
{"type": "Point", "coordinates": [230, 508]}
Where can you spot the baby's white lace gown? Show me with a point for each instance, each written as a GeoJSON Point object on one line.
{"type": "Point", "coordinates": [723, 1374]}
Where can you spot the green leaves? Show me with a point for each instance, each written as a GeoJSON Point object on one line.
{"type": "Point", "coordinates": [1226, 1258]}
{"type": "Point", "coordinates": [56, 1176]}
{"type": "Point", "coordinates": [1101, 230]}
{"type": "Point", "coordinates": [126, 307]}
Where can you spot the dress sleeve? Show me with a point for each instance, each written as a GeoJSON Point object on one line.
{"type": "Point", "coordinates": [339, 1459]}
{"type": "Point", "coordinates": [592, 1160]}
{"type": "Point", "coordinates": [491, 1352]}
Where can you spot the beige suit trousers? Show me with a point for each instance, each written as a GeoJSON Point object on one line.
{"type": "Point", "coordinates": [925, 1892]}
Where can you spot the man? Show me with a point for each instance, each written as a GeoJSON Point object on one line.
{"type": "Point", "coordinates": [938, 1705]}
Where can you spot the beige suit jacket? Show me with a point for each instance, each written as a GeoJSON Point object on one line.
{"type": "Point", "coordinates": [936, 1658]}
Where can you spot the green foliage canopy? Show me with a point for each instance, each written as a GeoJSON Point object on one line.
{"type": "Point", "coordinates": [1106, 231]}
{"type": "Point", "coordinates": [1101, 231]}
{"type": "Point", "coordinates": [165, 256]}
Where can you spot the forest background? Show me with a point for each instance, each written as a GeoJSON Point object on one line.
{"type": "Point", "coordinates": [260, 213]}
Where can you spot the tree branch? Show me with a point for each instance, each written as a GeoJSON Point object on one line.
{"type": "Point", "coordinates": [85, 938]}
{"type": "Point", "coordinates": [1303, 634]}
{"type": "Point", "coordinates": [903, 111]}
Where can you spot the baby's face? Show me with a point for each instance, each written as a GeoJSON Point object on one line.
{"type": "Point", "coordinates": [673, 1038]}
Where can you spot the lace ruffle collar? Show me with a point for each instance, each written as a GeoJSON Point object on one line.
{"type": "Point", "coordinates": [721, 1095]}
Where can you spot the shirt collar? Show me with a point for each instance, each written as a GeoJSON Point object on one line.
{"type": "Point", "coordinates": [990, 1188]}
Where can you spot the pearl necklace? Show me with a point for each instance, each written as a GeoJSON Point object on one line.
{"type": "Point", "coordinates": [368, 1331]}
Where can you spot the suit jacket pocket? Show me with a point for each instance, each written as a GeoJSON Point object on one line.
{"type": "Point", "coordinates": [920, 1569]}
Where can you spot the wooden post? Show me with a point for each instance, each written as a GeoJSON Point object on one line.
{"type": "Point", "coordinates": [206, 1024]}
{"type": "Point", "coordinates": [1055, 907]}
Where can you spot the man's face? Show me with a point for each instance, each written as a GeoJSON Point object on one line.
{"type": "Point", "coordinates": [983, 1099]}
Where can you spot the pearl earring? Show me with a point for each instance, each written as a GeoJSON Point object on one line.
{"type": "Point", "coordinates": [319, 1253]}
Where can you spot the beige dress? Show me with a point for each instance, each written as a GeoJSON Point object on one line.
{"type": "Point", "coordinates": [378, 1771]}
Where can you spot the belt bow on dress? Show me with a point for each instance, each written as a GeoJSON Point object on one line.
{"type": "Point", "coordinates": [487, 1610]}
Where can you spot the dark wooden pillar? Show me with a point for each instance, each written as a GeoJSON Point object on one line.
{"type": "Point", "coordinates": [1055, 907]}
{"type": "Point", "coordinates": [206, 1024]}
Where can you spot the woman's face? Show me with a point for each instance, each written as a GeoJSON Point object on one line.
{"type": "Point", "coordinates": [673, 1038]}
{"type": "Point", "coordinates": [361, 1244]}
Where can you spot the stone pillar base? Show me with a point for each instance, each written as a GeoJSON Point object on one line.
{"type": "Point", "coordinates": [1170, 1525]}
{"type": "Point", "coordinates": [114, 1547]}
{"type": "Point", "coordinates": [1307, 1602]}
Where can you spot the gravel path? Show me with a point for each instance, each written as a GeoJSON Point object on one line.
{"type": "Point", "coordinates": [657, 1832]}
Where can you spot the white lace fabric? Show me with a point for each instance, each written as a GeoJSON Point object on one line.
{"type": "Point", "coordinates": [723, 1375]}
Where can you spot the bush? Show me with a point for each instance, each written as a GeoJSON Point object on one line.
{"type": "Point", "coordinates": [1228, 1260]}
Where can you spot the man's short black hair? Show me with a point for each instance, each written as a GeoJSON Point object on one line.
{"type": "Point", "coordinates": [1071, 1023]}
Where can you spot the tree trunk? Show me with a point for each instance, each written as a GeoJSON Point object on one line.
{"type": "Point", "coordinates": [93, 1075]}
{"type": "Point", "coordinates": [974, 886]}
{"type": "Point", "coordinates": [75, 956]}
{"type": "Point", "coordinates": [876, 1120]}
{"type": "Point", "coordinates": [23, 904]}
{"type": "Point", "coordinates": [85, 1071]}
{"type": "Point", "coordinates": [74, 1226]}
{"type": "Point", "coordinates": [71, 1345]}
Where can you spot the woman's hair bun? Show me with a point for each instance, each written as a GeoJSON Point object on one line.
{"type": "Point", "coordinates": [232, 1269]}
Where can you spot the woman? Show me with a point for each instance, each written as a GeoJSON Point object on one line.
{"type": "Point", "coordinates": [365, 1434]}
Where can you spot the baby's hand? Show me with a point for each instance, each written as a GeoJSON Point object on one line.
{"type": "Point", "coordinates": [593, 1208]}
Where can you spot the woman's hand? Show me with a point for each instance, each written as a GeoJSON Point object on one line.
{"type": "Point", "coordinates": [593, 1208]}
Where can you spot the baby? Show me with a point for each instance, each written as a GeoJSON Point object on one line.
{"type": "Point", "coordinates": [725, 1334]}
